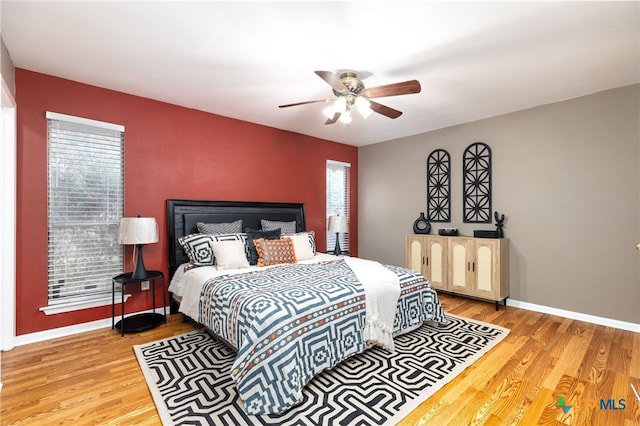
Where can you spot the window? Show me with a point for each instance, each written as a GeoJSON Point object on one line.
{"type": "Point", "coordinates": [337, 199]}
{"type": "Point", "coordinates": [85, 205]}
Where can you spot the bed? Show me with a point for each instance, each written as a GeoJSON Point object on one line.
{"type": "Point", "coordinates": [297, 311]}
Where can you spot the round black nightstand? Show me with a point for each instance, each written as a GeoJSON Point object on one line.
{"type": "Point", "coordinates": [138, 322]}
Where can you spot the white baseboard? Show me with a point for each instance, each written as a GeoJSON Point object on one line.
{"type": "Point", "coordinates": [70, 330]}
{"type": "Point", "coordinates": [608, 322]}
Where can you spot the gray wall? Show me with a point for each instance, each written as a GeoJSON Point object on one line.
{"type": "Point", "coordinates": [566, 176]}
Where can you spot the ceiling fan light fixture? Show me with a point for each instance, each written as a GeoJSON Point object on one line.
{"type": "Point", "coordinates": [345, 117]}
{"type": "Point", "coordinates": [340, 105]}
{"type": "Point", "coordinates": [329, 111]}
{"type": "Point", "coordinates": [350, 91]}
{"type": "Point", "coordinates": [364, 106]}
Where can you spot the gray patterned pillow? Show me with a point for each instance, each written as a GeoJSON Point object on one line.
{"type": "Point", "coordinates": [198, 249]}
{"type": "Point", "coordinates": [220, 228]}
{"type": "Point", "coordinates": [285, 227]}
{"type": "Point", "coordinates": [198, 246]}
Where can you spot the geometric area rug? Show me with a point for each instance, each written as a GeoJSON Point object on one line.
{"type": "Point", "coordinates": [188, 376]}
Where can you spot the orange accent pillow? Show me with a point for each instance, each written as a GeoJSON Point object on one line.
{"type": "Point", "coordinates": [273, 252]}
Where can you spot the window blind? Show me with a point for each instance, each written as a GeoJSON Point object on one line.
{"type": "Point", "coordinates": [85, 205]}
{"type": "Point", "coordinates": [338, 200]}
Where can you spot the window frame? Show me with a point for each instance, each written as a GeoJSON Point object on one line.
{"type": "Point", "coordinates": [343, 209]}
{"type": "Point", "coordinates": [110, 137]}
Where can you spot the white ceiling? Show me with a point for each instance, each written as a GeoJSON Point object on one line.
{"type": "Point", "coordinates": [243, 59]}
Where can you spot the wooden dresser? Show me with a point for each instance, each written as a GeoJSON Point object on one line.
{"type": "Point", "coordinates": [475, 267]}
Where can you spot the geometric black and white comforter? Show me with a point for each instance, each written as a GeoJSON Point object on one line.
{"type": "Point", "coordinates": [290, 322]}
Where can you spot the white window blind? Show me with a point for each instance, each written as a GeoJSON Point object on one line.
{"type": "Point", "coordinates": [338, 200]}
{"type": "Point", "coordinates": [85, 205]}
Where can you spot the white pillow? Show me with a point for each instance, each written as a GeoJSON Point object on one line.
{"type": "Point", "coordinates": [229, 254]}
{"type": "Point", "coordinates": [301, 246]}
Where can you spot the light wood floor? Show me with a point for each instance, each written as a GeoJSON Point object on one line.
{"type": "Point", "coordinates": [94, 377]}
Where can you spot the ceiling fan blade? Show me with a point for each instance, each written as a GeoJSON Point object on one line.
{"type": "Point", "coordinates": [404, 88]}
{"type": "Point", "coordinates": [333, 119]}
{"type": "Point", "coordinates": [331, 78]}
{"type": "Point", "coordinates": [303, 103]}
{"type": "Point", "coordinates": [385, 110]}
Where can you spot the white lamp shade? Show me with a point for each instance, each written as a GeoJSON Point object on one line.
{"type": "Point", "coordinates": [364, 106]}
{"type": "Point", "coordinates": [345, 118]}
{"type": "Point", "coordinates": [338, 224]}
{"type": "Point", "coordinates": [340, 104]}
{"type": "Point", "coordinates": [138, 230]}
{"type": "Point", "coordinates": [329, 111]}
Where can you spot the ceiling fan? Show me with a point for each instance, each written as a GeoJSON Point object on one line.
{"type": "Point", "coordinates": [350, 92]}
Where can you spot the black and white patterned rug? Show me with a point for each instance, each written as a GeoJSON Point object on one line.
{"type": "Point", "coordinates": [188, 376]}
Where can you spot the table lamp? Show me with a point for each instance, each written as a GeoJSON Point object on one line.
{"type": "Point", "coordinates": [338, 224]}
{"type": "Point", "coordinates": [138, 231]}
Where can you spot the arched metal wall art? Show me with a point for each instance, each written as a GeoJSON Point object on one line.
{"type": "Point", "coordinates": [476, 170]}
{"type": "Point", "coordinates": [439, 186]}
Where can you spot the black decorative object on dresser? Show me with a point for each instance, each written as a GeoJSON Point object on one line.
{"type": "Point", "coordinates": [476, 170]}
{"type": "Point", "coordinates": [138, 322]}
{"type": "Point", "coordinates": [421, 225]}
{"type": "Point", "coordinates": [499, 224]}
{"type": "Point", "coordinates": [498, 233]}
{"type": "Point", "coordinates": [481, 233]}
{"type": "Point", "coordinates": [448, 232]}
{"type": "Point", "coordinates": [439, 186]}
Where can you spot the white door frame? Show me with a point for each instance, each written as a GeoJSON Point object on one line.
{"type": "Point", "coordinates": [8, 165]}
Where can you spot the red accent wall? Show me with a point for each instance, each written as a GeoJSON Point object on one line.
{"type": "Point", "coordinates": [170, 152]}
